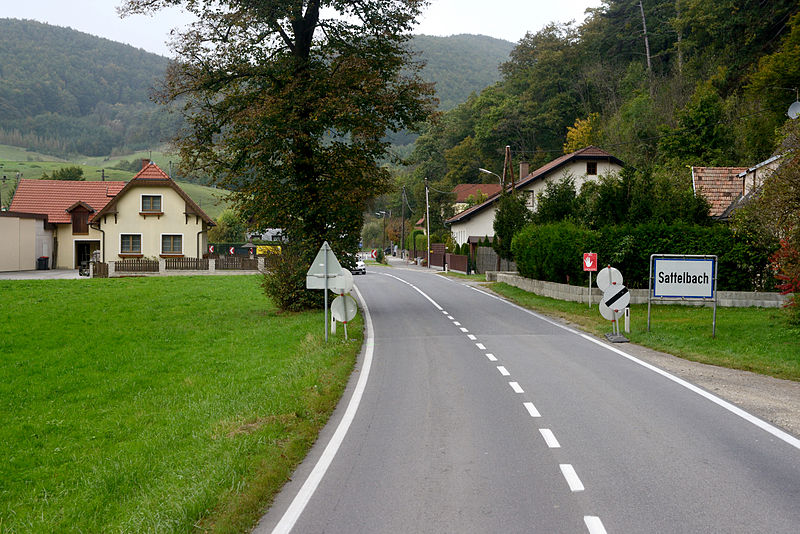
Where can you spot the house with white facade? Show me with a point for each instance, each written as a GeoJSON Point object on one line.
{"type": "Point", "coordinates": [582, 165]}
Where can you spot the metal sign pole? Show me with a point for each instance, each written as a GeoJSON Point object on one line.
{"type": "Point", "coordinates": [714, 320]}
{"type": "Point", "coordinates": [649, 291]}
{"type": "Point", "coordinates": [326, 291]}
{"type": "Point", "coordinates": [590, 289]}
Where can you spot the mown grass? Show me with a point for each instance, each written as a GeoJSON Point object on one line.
{"type": "Point", "coordinates": [156, 404]}
{"type": "Point", "coordinates": [753, 339]}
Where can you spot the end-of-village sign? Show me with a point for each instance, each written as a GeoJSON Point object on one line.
{"type": "Point", "coordinates": [681, 277]}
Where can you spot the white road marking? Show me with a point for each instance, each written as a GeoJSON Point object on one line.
{"type": "Point", "coordinates": [480, 346]}
{"type": "Point", "coordinates": [464, 330]}
{"type": "Point", "coordinates": [549, 438]}
{"type": "Point", "coordinates": [471, 337]}
{"type": "Point", "coordinates": [775, 431]}
{"type": "Point", "coordinates": [454, 322]}
{"type": "Point", "coordinates": [443, 311]}
{"type": "Point", "coordinates": [529, 405]}
{"type": "Point", "coordinates": [503, 370]}
{"type": "Point", "coordinates": [516, 387]}
{"type": "Point", "coordinates": [491, 357]}
{"type": "Point", "coordinates": [300, 500]}
{"type": "Point", "coordinates": [573, 481]}
{"type": "Point", "coordinates": [450, 317]}
{"type": "Point", "coordinates": [594, 524]}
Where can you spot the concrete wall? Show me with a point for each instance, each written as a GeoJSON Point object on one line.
{"type": "Point", "coordinates": [728, 299]}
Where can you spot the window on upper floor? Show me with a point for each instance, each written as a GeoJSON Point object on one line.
{"type": "Point", "coordinates": [80, 222]}
{"type": "Point", "coordinates": [172, 244]}
{"type": "Point", "coordinates": [591, 168]}
{"type": "Point", "coordinates": [130, 244]}
{"type": "Point", "coordinates": [151, 204]}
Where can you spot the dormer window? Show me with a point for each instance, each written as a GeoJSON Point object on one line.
{"type": "Point", "coordinates": [80, 222]}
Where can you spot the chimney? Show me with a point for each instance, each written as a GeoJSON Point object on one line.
{"type": "Point", "coordinates": [145, 163]}
{"type": "Point", "coordinates": [523, 169]}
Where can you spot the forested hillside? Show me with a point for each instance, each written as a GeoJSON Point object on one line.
{"type": "Point", "coordinates": [64, 92]}
{"type": "Point", "coordinates": [708, 83]}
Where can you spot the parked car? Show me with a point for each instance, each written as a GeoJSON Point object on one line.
{"type": "Point", "coordinates": [360, 268]}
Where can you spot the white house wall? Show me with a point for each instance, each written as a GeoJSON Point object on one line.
{"type": "Point", "coordinates": [482, 224]}
{"type": "Point", "coordinates": [151, 227]}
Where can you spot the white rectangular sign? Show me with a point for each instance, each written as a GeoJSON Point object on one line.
{"type": "Point", "coordinates": [684, 277]}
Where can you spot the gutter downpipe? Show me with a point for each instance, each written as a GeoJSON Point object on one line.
{"type": "Point", "coordinates": [197, 239]}
{"type": "Point", "coordinates": [103, 241]}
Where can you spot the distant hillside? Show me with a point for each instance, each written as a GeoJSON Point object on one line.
{"type": "Point", "coordinates": [461, 64]}
{"type": "Point", "coordinates": [68, 93]}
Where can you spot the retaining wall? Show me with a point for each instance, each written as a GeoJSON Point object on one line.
{"type": "Point", "coordinates": [727, 299]}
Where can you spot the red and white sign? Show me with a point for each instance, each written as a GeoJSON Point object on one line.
{"type": "Point", "coordinates": [373, 254]}
{"type": "Point", "coordinates": [590, 261]}
{"type": "Point", "coordinates": [210, 249]}
{"type": "Point", "coordinates": [230, 251]}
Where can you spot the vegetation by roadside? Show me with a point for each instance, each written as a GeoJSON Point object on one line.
{"type": "Point", "coordinates": [475, 277]}
{"type": "Point", "coordinates": [156, 404]}
{"type": "Point", "coordinates": [753, 339]}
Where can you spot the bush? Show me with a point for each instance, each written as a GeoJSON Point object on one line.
{"type": "Point", "coordinates": [285, 282]}
{"type": "Point", "coordinates": [380, 257]}
{"type": "Point", "coordinates": [553, 252]}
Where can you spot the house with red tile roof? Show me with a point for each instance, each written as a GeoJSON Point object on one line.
{"type": "Point", "coordinates": [585, 164]}
{"type": "Point", "coordinates": [148, 217]}
{"type": "Point", "coordinates": [471, 193]}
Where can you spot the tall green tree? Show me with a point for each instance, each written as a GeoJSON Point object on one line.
{"type": "Point", "coordinates": [288, 103]}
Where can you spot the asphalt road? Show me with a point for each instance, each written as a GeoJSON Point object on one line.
{"type": "Point", "coordinates": [478, 416]}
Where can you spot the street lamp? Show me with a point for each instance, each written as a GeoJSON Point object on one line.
{"type": "Point", "coordinates": [486, 171]}
{"type": "Point", "coordinates": [382, 215]}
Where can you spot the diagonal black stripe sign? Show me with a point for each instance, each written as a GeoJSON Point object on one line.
{"type": "Point", "coordinates": [617, 296]}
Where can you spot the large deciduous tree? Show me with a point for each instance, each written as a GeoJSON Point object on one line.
{"type": "Point", "coordinates": [288, 102]}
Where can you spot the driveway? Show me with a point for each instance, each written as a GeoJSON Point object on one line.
{"type": "Point", "coordinates": [49, 274]}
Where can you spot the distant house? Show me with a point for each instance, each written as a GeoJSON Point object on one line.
{"type": "Point", "coordinates": [148, 217]}
{"type": "Point", "coordinates": [585, 164]}
{"type": "Point", "coordinates": [726, 187]}
{"type": "Point", "coordinates": [472, 193]}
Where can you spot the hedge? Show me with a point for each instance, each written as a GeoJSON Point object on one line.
{"type": "Point", "coordinates": [554, 252]}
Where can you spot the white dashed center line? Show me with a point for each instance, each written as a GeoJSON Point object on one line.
{"type": "Point", "coordinates": [503, 370]}
{"type": "Point", "coordinates": [491, 357]}
{"type": "Point", "coordinates": [594, 524]}
{"type": "Point", "coordinates": [516, 387]}
{"type": "Point", "coordinates": [473, 338]}
{"type": "Point", "coordinates": [480, 346]}
{"type": "Point", "coordinates": [464, 330]}
{"type": "Point", "coordinates": [569, 473]}
{"type": "Point", "coordinates": [549, 438]}
{"type": "Point", "coordinates": [529, 405]}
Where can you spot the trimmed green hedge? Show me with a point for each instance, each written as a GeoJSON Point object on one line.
{"type": "Point", "coordinates": [554, 252]}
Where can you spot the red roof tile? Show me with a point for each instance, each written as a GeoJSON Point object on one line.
{"type": "Point", "coordinates": [54, 197]}
{"type": "Point", "coordinates": [721, 186]}
{"type": "Point", "coordinates": [463, 191]}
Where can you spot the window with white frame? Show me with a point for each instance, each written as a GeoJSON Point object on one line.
{"type": "Point", "coordinates": [151, 204]}
{"type": "Point", "coordinates": [171, 244]}
{"type": "Point", "coordinates": [130, 244]}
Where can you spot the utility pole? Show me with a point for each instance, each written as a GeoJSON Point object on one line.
{"type": "Point", "coordinates": [428, 226]}
{"type": "Point", "coordinates": [647, 49]}
{"type": "Point", "coordinates": [402, 223]}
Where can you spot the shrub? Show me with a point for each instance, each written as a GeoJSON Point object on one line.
{"type": "Point", "coordinates": [786, 265]}
{"type": "Point", "coordinates": [284, 281]}
{"type": "Point", "coordinates": [380, 256]}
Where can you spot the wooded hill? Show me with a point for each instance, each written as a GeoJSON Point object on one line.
{"type": "Point", "coordinates": [64, 92]}
{"type": "Point", "coordinates": [707, 83]}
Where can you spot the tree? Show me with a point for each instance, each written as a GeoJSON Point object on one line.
{"type": "Point", "coordinates": [229, 229]}
{"type": "Point", "coordinates": [511, 216]}
{"type": "Point", "coordinates": [287, 103]}
{"type": "Point", "coordinates": [71, 173]}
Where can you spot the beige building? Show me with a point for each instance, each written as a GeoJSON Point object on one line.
{"type": "Point", "coordinates": [585, 164]}
{"type": "Point", "coordinates": [24, 238]}
{"type": "Point", "coordinates": [148, 217]}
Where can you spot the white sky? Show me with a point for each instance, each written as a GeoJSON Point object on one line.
{"type": "Point", "coordinates": [504, 19]}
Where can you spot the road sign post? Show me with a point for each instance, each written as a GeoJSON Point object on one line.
{"type": "Point", "coordinates": [616, 299]}
{"type": "Point", "coordinates": [683, 277]}
{"type": "Point", "coordinates": [590, 264]}
{"type": "Point", "coordinates": [324, 268]}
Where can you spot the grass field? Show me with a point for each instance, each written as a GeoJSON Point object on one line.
{"type": "Point", "coordinates": [753, 339]}
{"type": "Point", "coordinates": [156, 404]}
{"type": "Point", "coordinates": [15, 160]}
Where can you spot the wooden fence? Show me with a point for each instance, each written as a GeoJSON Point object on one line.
{"type": "Point", "coordinates": [457, 262]}
{"type": "Point", "coordinates": [238, 263]}
{"type": "Point", "coordinates": [136, 266]}
{"type": "Point", "coordinates": [186, 264]}
{"type": "Point", "coordinates": [99, 269]}
{"type": "Point", "coordinates": [486, 260]}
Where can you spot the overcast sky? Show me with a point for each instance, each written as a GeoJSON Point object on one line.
{"type": "Point", "coordinates": [504, 19]}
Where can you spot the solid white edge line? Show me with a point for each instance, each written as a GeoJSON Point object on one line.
{"type": "Point", "coordinates": [531, 408]}
{"type": "Point", "coordinates": [573, 481]}
{"type": "Point", "coordinates": [594, 524]}
{"type": "Point", "coordinates": [750, 418]}
{"type": "Point", "coordinates": [549, 438]}
{"type": "Point", "coordinates": [292, 514]}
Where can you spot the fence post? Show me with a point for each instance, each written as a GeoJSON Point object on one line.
{"type": "Point", "coordinates": [261, 263]}
{"type": "Point", "coordinates": [112, 268]}
{"type": "Point", "coordinates": [162, 266]}
{"type": "Point", "coordinates": [212, 265]}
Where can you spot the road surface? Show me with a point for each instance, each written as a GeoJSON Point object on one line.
{"type": "Point", "coordinates": [469, 414]}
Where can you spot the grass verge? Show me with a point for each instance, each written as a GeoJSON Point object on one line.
{"type": "Point", "coordinates": [156, 404]}
{"type": "Point", "coordinates": [752, 339]}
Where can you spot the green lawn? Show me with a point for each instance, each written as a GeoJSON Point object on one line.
{"type": "Point", "coordinates": [753, 339]}
{"type": "Point", "coordinates": [156, 404]}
